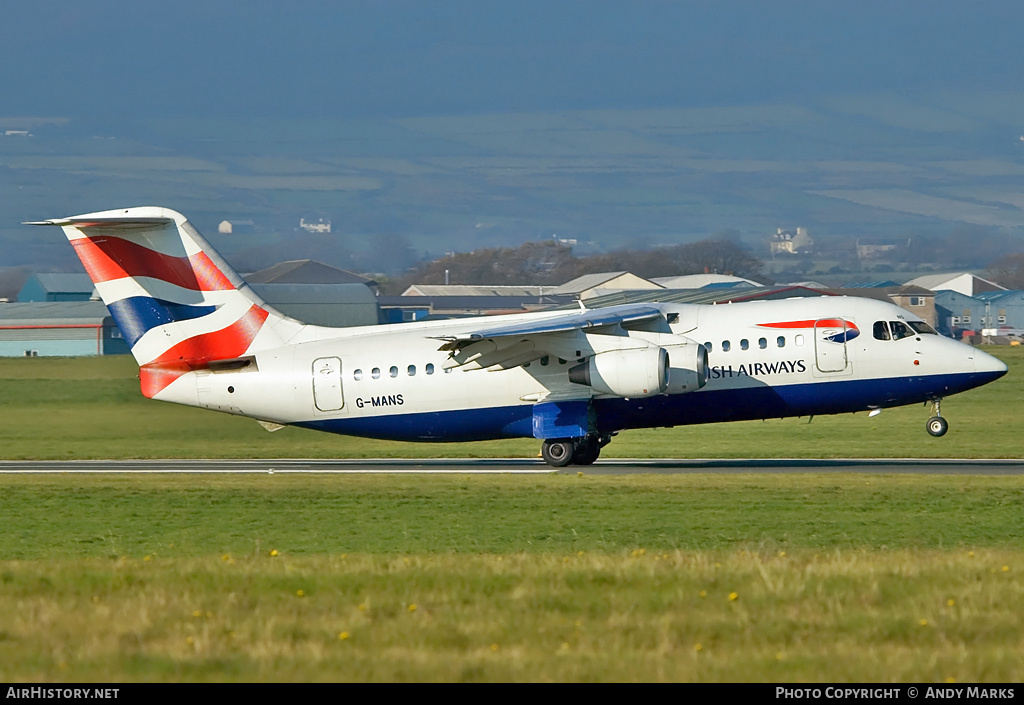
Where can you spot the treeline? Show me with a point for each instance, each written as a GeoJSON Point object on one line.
{"type": "Point", "coordinates": [1008, 271]}
{"type": "Point", "coordinates": [551, 263]}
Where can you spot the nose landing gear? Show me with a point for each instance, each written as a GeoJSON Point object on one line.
{"type": "Point", "coordinates": [937, 426]}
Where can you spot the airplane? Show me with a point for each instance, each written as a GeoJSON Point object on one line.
{"type": "Point", "coordinates": [571, 379]}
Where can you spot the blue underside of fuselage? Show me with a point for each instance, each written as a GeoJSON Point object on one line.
{"type": "Point", "coordinates": [707, 406]}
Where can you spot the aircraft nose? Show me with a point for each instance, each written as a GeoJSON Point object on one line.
{"type": "Point", "coordinates": [989, 365]}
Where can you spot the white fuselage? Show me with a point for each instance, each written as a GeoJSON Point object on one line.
{"type": "Point", "coordinates": [766, 358]}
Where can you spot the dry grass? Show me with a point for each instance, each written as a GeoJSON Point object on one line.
{"type": "Point", "coordinates": [852, 616]}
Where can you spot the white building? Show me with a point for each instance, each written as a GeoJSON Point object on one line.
{"type": "Point", "coordinates": [591, 285]}
{"type": "Point", "coordinates": [960, 282]}
{"type": "Point", "coordinates": [320, 226]}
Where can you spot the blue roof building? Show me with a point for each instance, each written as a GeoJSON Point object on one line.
{"type": "Point", "coordinates": [990, 309]}
{"type": "Point", "coordinates": [64, 328]}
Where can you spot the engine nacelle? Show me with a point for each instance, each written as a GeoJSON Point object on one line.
{"type": "Point", "coordinates": [645, 372]}
{"type": "Point", "coordinates": [690, 370]}
{"type": "Point", "coordinates": [639, 372]}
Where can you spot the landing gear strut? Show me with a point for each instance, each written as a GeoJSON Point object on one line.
{"type": "Point", "coordinates": [937, 426]}
{"type": "Point", "coordinates": [561, 452]}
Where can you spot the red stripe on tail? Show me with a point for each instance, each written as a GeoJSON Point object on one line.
{"type": "Point", "coordinates": [196, 352]}
{"type": "Point", "coordinates": [108, 258]}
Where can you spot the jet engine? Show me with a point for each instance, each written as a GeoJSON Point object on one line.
{"type": "Point", "coordinates": [640, 372]}
{"type": "Point", "coordinates": [644, 372]}
{"type": "Point", "coordinates": [690, 370]}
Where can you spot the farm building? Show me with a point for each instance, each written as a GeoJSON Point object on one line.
{"type": "Point", "coordinates": [63, 328]}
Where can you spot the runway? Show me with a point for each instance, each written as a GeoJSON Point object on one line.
{"type": "Point", "coordinates": [517, 466]}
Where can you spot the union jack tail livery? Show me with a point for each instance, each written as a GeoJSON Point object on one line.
{"type": "Point", "coordinates": [180, 307]}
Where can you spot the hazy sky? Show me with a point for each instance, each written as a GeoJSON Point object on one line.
{"type": "Point", "coordinates": [112, 58]}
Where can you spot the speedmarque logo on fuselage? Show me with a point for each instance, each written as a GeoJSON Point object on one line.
{"type": "Point", "coordinates": [837, 330]}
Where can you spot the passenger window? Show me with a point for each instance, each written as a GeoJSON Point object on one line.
{"type": "Point", "coordinates": [744, 344]}
{"type": "Point", "coordinates": [412, 370]}
{"type": "Point", "coordinates": [357, 375]}
{"type": "Point", "coordinates": [375, 373]}
{"type": "Point", "coordinates": [762, 343]}
{"type": "Point", "coordinates": [881, 330]}
{"type": "Point", "coordinates": [544, 361]}
{"type": "Point", "coordinates": [430, 368]}
{"type": "Point", "coordinates": [798, 340]}
{"type": "Point", "coordinates": [394, 371]}
{"type": "Point", "coordinates": [708, 346]}
{"type": "Point", "coordinates": [726, 345]}
{"type": "Point", "coordinates": [781, 340]}
{"type": "Point", "coordinates": [900, 330]}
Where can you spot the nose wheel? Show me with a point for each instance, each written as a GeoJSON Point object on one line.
{"type": "Point", "coordinates": [937, 426]}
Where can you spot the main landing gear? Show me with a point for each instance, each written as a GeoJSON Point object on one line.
{"type": "Point", "coordinates": [937, 426]}
{"type": "Point", "coordinates": [560, 452]}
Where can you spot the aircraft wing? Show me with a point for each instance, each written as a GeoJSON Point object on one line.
{"type": "Point", "coordinates": [515, 344]}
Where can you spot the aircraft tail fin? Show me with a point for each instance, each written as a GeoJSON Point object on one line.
{"type": "Point", "coordinates": [178, 304]}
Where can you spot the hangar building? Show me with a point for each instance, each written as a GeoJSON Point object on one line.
{"type": "Point", "coordinates": [61, 328]}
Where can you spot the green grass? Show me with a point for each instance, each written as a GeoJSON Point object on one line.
{"type": "Point", "coordinates": [543, 578]}
{"type": "Point", "coordinates": [111, 516]}
{"type": "Point", "coordinates": [92, 408]}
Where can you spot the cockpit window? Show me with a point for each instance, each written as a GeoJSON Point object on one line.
{"type": "Point", "coordinates": [881, 330]}
{"type": "Point", "coordinates": [900, 330]}
{"type": "Point", "coordinates": [923, 328]}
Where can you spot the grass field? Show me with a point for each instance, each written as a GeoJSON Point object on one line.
{"type": "Point", "coordinates": [539, 578]}
{"type": "Point", "coordinates": [555, 578]}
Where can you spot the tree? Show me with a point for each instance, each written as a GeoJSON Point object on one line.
{"type": "Point", "coordinates": [389, 253]}
{"type": "Point", "coordinates": [1008, 271]}
{"type": "Point", "coordinates": [551, 263]}
{"type": "Point", "coordinates": [530, 263]}
{"type": "Point", "coordinates": [716, 257]}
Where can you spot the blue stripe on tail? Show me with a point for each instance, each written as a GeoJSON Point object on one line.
{"type": "Point", "coordinates": [138, 314]}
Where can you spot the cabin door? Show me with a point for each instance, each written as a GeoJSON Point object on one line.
{"type": "Point", "coordinates": [327, 395]}
{"type": "Point", "coordinates": [830, 336]}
